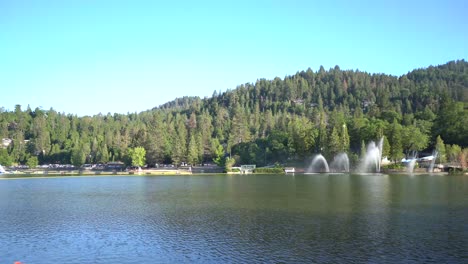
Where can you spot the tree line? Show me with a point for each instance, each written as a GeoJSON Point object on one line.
{"type": "Point", "coordinates": [324, 111]}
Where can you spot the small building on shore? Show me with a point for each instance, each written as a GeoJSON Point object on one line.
{"type": "Point", "coordinates": [245, 169]}
{"type": "Point", "coordinates": [115, 166]}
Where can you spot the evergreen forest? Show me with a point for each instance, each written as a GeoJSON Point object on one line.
{"type": "Point", "coordinates": [262, 123]}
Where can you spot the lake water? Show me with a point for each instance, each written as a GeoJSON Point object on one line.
{"type": "Point", "coordinates": [235, 219]}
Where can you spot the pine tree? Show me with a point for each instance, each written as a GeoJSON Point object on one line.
{"type": "Point", "coordinates": [192, 152]}
{"type": "Point", "coordinates": [32, 162]}
{"type": "Point", "coordinates": [440, 147]}
{"type": "Point", "coordinates": [334, 144]}
{"type": "Point", "coordinates": [104, 154]}
{"type": "Point", "coordinates": [322, 133]}
{"type": "Point", "coordinates": [386, 147]}
{"type": "Point", "coordinates": [179, 153]}
{"type": "Point", "coordinates": [395, 139]}
{"type": "Point", "coordinates": [344, 147]}
{"type": "Point", "coordinates": [218, 150]}
{"type": "Point", "coordinates": [78, 157]}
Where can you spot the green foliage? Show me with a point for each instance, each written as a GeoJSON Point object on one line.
{"type": "Point", "coordinates": [395, 140]}
{"type": "Point", "coordinates": [413, 139]}
{"type": "Point", "coordinates": [386, 147]}
{"type": "Point", "coordinates": [440, 147]}
{"type": "Point", "coordinates": [32, 162]}
{"type": "Point", "coordinates": [344, 139]}
{"type": "Point", "coordinates": [249, 153]}
{"type": "Point", "coordinates": [453, 152]}
{"type": "Point", "coordinates": [179, 142]}
{"type": "Point", "coordinates": [5, 159]}
{"type": "Point", "coordinates": [229, 163]}
{"type": "Point", "coordinates": [78, 156]}
{"type": "Point", "coordinates": [274, 170]}
{"type": "Point", "coordinates": [394, 166]}
{"type": "Point", "coordinates": [218, 153]}
{"type": "Point", "coordinates": [301, 136]}
{"type": "Point", "coordinates": [463, 158]}
{"type": "Point", "coordinates": [103, 154]}
{"type": "Point", "coordinates": [452, 123]}
{"type": "Point", "coordinates": [334, 144]}
{"type": "Point", "coordinates": [277, 146]}
{"type": "Point", "coordinates": [192, 156]}
{"type": "Point", "coordinates": [262, 122]}
{"type": "Point", "coordinates": [137, 156]}
{"type": "Point", "coordinates": [322, 141]}
{"type": "Point", "coordinates": [389, 116]}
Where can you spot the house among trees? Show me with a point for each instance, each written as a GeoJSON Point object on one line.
{"type": "Point", "coordinates": [366, 103]}
{"type": "Point", "coordinates": [6, 142]}
{"type": "Point", "coordinates": [298, 101]}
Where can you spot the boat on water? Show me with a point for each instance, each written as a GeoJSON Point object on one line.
{"type": "Point", "coordinates": [2, 170]}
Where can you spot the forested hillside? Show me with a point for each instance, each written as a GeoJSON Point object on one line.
{"type": "Point", "coordinates": [261, 123]}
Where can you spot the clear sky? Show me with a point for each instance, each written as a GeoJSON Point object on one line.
{"type": "Point", "coordinates": [90, 56]}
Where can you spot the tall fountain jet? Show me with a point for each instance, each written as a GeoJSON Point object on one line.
{"type": "Point", "coordinates": [340, 163]}
{"type": "Point", "coordinates": [319, 164]}
{"type": "Point", "coordinates": [410, 166]}
{"type": "Point", "coordinates": [373, 157]}
{"type": "Point", "coordinates": [431, 167]}
{"type": "Point", "coordinates": [412, 162]}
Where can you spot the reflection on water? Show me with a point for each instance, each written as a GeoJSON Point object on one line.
{"type": "Point", "coordinates": [256, 219]}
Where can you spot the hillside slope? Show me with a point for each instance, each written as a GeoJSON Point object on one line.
{"type": "Point", "coordinates": [327, 111]}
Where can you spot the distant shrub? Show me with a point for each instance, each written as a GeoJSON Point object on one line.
{"type": "Point", "coordinates": [269, 170]}
{"type": "Point", "coordinates": [457, 171]}
{"type": "Point", "coordinates": [394, 166]}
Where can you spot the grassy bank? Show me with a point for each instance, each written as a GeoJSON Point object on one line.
{"type": "Point", "coordinates": [91, 173]}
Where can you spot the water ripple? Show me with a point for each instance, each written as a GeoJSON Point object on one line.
{"type": "Point", "coordinates": [258, 219]}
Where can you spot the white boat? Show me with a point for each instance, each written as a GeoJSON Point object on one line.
{"type": "Point", "coordinates": [289, 170]}
{"type": "Point", "coordinates": [2, 170]}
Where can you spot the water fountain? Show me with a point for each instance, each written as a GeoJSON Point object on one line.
{"type": "Point", "coordinates": [380, 146]}
{"type": "Point", "coordinates": [431, 166]}
{"type": "Point", "coordinates": [410, 166]}
{"type": "Point", "coordinates": [340, 163]}
{"type": "Point", "coordinates": [411, 162]}
{"type": "Point", "coordinates": [373, 157]}
{"type": "Point", "coordinates": [319, 164]}
{"type": "Point", "coordinates": [370, 162]}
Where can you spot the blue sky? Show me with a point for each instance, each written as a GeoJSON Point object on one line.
{"type": "Point", "coordinates": [90, 56]}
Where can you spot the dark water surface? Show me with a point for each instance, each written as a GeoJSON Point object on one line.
{"type": "Point", "coordinates": [235, 219]}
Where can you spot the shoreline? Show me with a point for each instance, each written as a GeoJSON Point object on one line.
{"type": "Point", "coordinates": [23, 175]}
